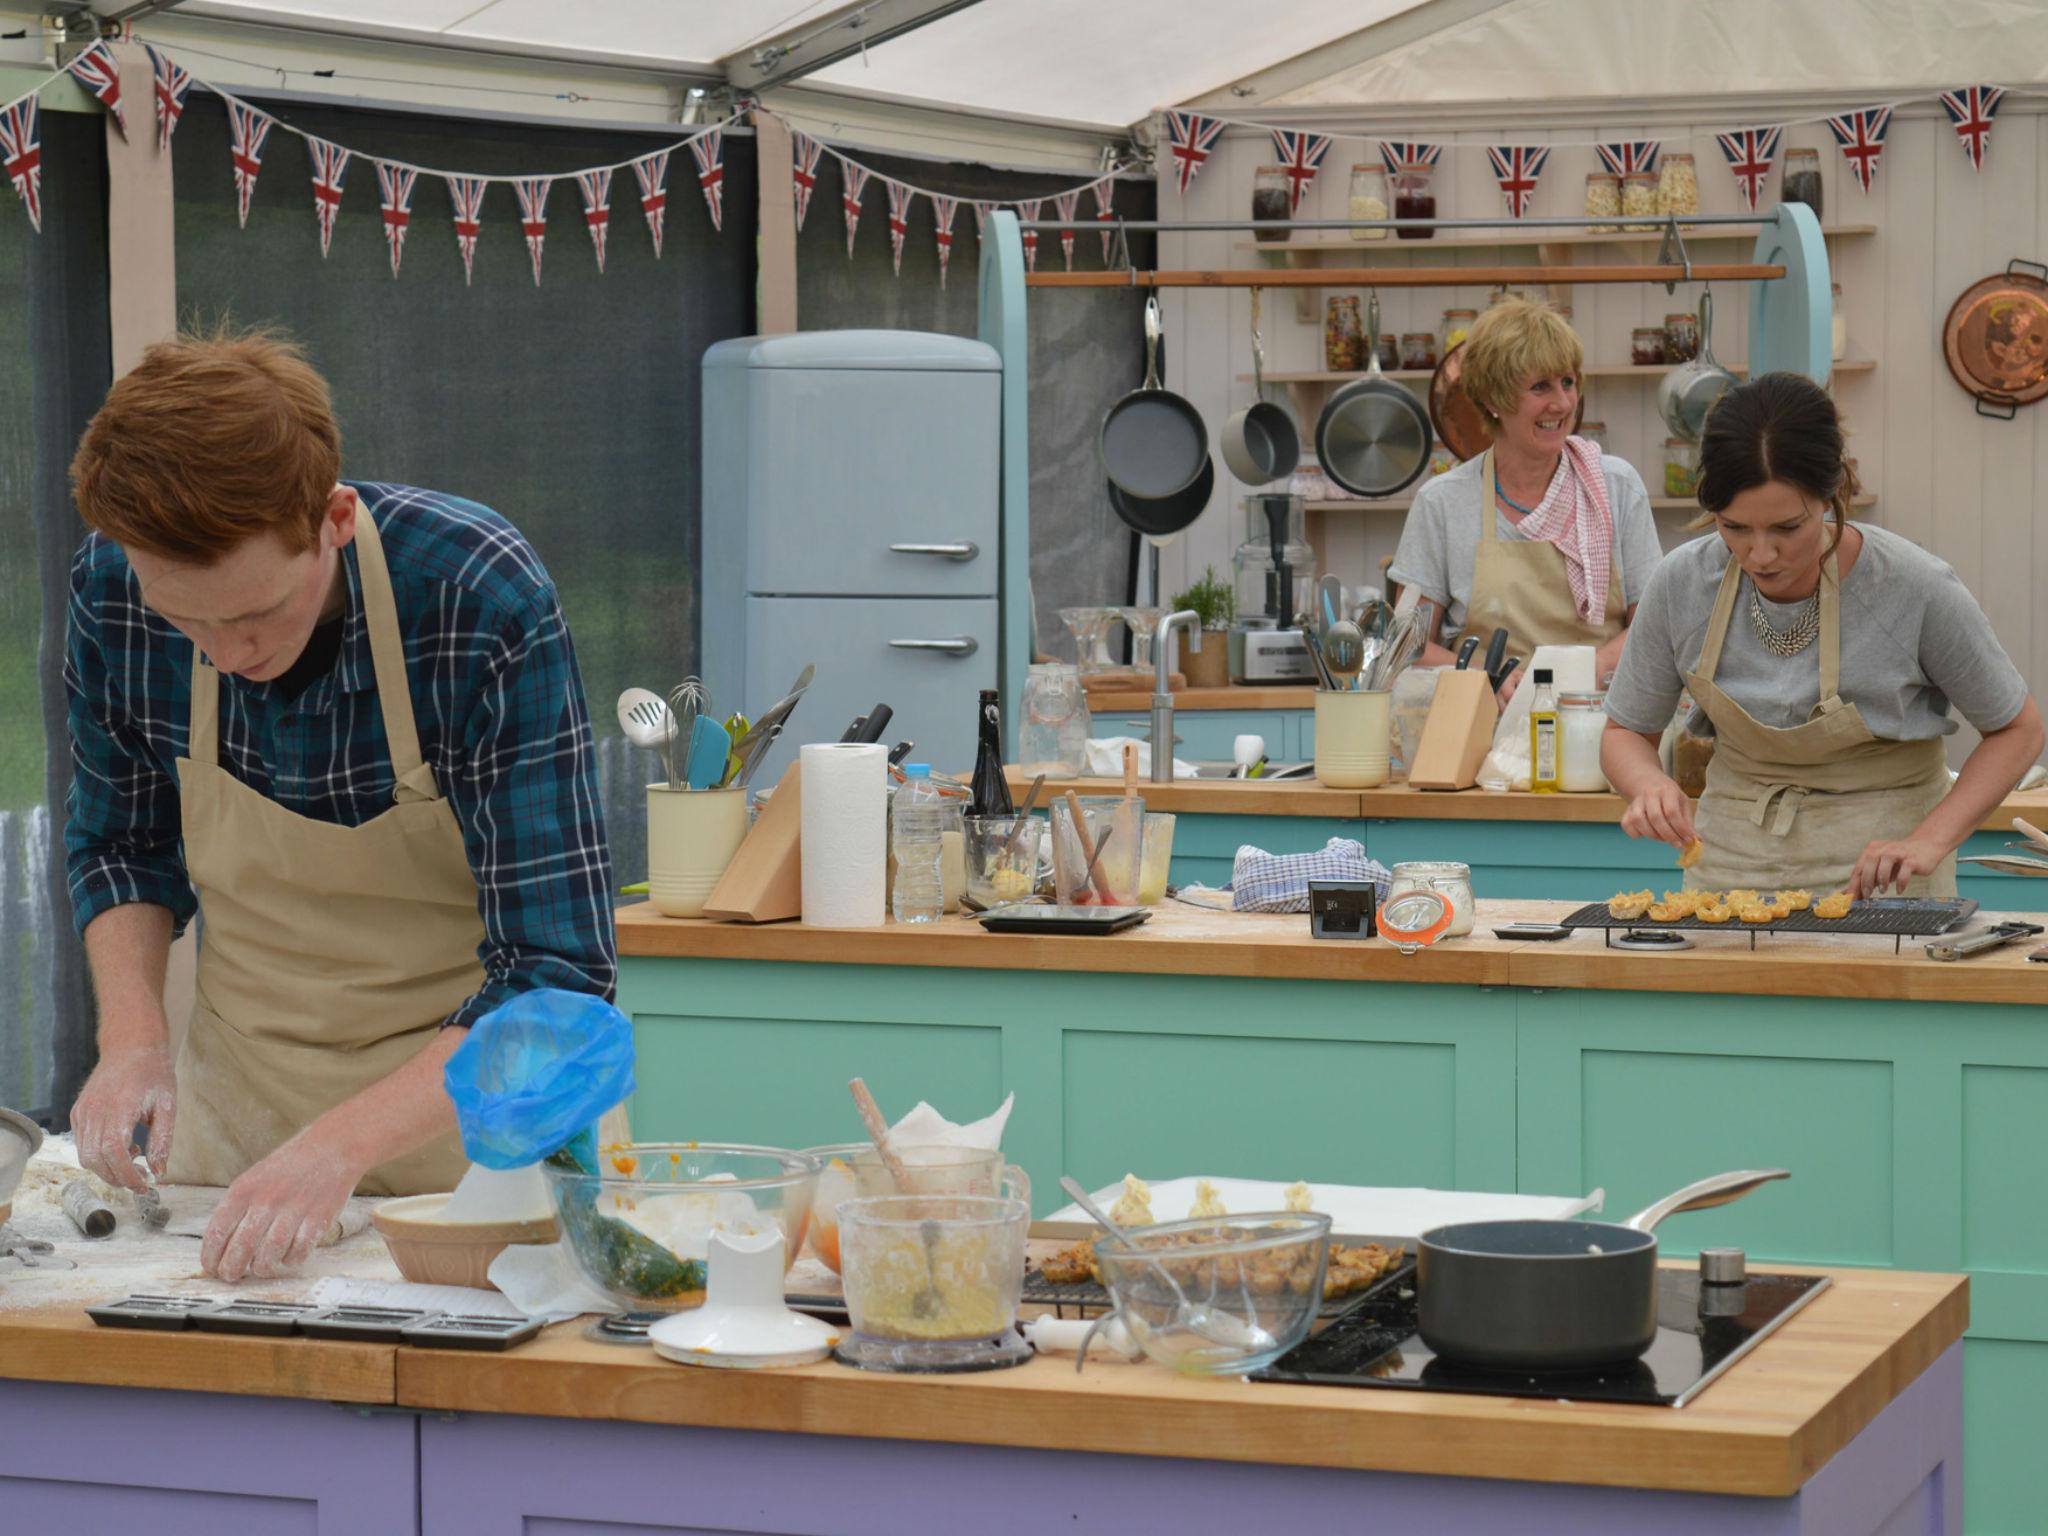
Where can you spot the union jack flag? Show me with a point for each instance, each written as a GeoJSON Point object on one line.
{"type": "Point", "coordinates": [533, 215]}
{"type": "Point", "coordinates": [943, 209]}
{"type": "Point", "coordinates": [1971, 109]}
{"type": "Point", "coordinates": [99, 72]}
{"type": "Point", "coordinates": [853, 181]}
{"type": "Point", "coordinates": [1395, 153]}
{"type": "Point", "coordinates": [330, 169]}
{"type": "Point", "coordinates": [172, 84]}
{"type": "Point", "coordinates": [709, 152]}
{"type": "Point", "coordinates": [1068, 204]}
{"type": "Point", "coordinates": [981, 213]}
{"type": "Point", "coordinates": [21, 152]}
{"type": "Point", "coordinates": [805, 152]}
{"type": "Point", "coordinates": [899, 219]}
{"type": "Point", "coordinates": [1028, 212]}
{"type": "Point", "coordinates": [1301, 156]}
{"type": "Point", "coordinates": [1631, 157]}
{"type": "Point", "coordinates": [1517, 167]}
{"type": "Point", "coordinates": [1105, 210]}
{"type": "Point", "coordinates": [651, 171]}
{"type": "Point", "coordinates": [250, 129]}
{"type": "Point", "coordinates": [597, 206]}
{"type": "Point", "coordinates": [394, 183]}
{"type": "Point", "coordinates": [467, 194]}
{"type": "Point", "coordinates": [1750, 153]}
{"type": "Point", "coordinates": [1193, 138]}
{"type": "Point", "coordinates": [1861, 137]}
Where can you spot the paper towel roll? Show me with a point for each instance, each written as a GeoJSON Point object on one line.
{"type": "Point", "coordinates": [844, 839]}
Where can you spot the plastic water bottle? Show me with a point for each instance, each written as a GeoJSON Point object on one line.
{"type": "Point", "coordinates": [917, 838]}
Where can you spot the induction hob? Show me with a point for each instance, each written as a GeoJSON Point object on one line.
{"type": "Point", "coordinates": [1702, 1330]}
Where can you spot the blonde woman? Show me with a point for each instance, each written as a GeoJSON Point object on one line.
{"type": "Point", "coordinates": [1542, 535]}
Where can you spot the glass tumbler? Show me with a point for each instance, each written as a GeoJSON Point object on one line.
{"type": "Point", "coordinates": [1118, 864]}
{"type": "Point", "coordinates": [1001, 868]}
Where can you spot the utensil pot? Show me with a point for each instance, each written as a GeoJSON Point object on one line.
{"type": "Point", "coordinates": [1354, 738]}
{"type": "Point", "coordinates": [692, 835]}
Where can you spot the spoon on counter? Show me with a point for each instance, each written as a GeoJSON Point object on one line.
{"type": "Point", "coordinates": [1216, 1327]}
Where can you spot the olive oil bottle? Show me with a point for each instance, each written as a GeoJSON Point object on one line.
{"type": "Point", "coordinates": [1545, 774]}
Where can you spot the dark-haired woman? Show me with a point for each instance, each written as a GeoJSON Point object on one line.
{"type": "Point", "coordinates": [1823, 656]}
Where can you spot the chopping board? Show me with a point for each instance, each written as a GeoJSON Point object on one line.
{"type": "Point", "coordinates": [1352, 1209]}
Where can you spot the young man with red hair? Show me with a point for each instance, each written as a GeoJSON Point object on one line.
{"type": "Point", "coordinates": [342, 722]}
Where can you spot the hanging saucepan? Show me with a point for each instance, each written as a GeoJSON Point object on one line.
{"type": "Point", "coordinates": [1160, 516]}
{"type": "Point", "coordinates": [1553, 1295]}
{"type": "Point", "coordinates": [1373, 437]}
{"type": "Point", "coordinates": [1153, 442]}
{"type": "Point", "coordinates": [1996, 339]}
{"type": "Point", "coordinates": [1688, 392]}
{"type": "Point", "coordinates": [1260, 442]}
{"type": "Point", "coordinates": [1458, 421]}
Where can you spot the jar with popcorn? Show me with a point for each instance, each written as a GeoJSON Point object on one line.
{"type": "Point", "coordinates": [1457, 325]}
{"type": "Point", "coordinates": [1678, 185]}
{"type": "Point", "coordinates": [1603, 200]}
{"type": "Point", "coordinates": [1368, 199]}
{"type": "Point", "coordinates": [1639, 198]}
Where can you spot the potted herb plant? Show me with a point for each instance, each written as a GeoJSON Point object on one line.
{"type": "Point", "coordinates": [1217, 604]}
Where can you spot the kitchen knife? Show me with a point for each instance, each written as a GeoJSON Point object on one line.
{"type": "Point", "coordinates": [852, 733]}
{"type": "Point", "coordinates": [1465, 652]}
{"type": "Point", "coordinates": [876, 722]}
{"type": "Point", "coordinates": [1499, 679]}
{"type": "Point", "coordinates": [1496, 652]}
{"type": "Point", "coordinates": [900, 751]}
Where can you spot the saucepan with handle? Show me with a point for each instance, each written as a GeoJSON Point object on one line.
{"type": "Point", "coordinates": [1553, 1295]}
{"type": "Point", "coordinates": [1261, 442]}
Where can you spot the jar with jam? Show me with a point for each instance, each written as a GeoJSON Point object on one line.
{"type": "Point", "coordinates": [1681, 467]}
{"type": "Point", "coordinates": [1414, 198]}
{"type": "Point", "coordinates": [1603, 200]}
{"type": "Point", "coordinates": [1678, 185]}
{"type": "Point", "coordinates": [1271, 200]}
{"type": "Point", "coordinates": [1802, 179]}
{"type": "Point", "coordinates": [1368, 199]}
{"type": "Point", "coordinates": [1343, 335]}
{"type": "Point", "coordinates": [1639, 198]}
{"type": "Point", "coordinates": [1646, 346]}
{"type": "Point", "coordinates": [1418, 350]}
{"type": "Point", "coordinates": [1456, 327]}
{"type": "Point", "coordinates": [1390, 351]}
{"type": "Point", "coordinates": [1681, 338]}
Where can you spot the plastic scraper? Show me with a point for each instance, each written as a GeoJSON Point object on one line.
{"type": "Point", "coordinates": [710, 745]}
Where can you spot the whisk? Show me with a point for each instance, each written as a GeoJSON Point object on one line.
{"type": "Point", "coordinates": [686, 701]}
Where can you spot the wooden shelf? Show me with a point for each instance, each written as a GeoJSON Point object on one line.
{"type": "Point", "coordinates": [1403, 503]}
{"type": "Point", "coordinates": [1326, 245]}
{"type": "Point", "coordinates": [1593, 371]}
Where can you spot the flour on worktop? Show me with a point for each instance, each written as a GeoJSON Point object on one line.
{"type": "Point", "coordinates": [136, 1259]}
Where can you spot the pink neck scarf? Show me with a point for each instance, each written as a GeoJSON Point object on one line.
{"type": "Point", "coordinates": [1574, 515]}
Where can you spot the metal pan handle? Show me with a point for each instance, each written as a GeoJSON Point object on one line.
{"type": "Point", "coordinates": [1718, 1190]}
{"type": "Point", "coordinates": [1999, 407]}
{"type": "Point", "coordinates": [1155, 328]}
{"type": "Point", "coordinates": [2018, 264]}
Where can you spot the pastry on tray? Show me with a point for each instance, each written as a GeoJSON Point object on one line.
{"type": "Point", "coordinates": [1834, 906]}
{"type": "Point", "coordinates": [1691, 855]}
{"type": "Point", "coordinates": [1757, 912]}
{"type": "Point", "coordinates": [1717, 912]}
{"type": "Point", "coordinates": [1670, 911]}
{"type": "Point", "coordinates": [1629, 905]}
{"type": "Point", "coordinates": [1795, 901]}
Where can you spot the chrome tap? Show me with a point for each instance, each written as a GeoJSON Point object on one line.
{"type": "Point", "coordinates": [1162, 696]}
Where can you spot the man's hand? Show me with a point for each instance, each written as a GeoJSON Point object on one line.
{"type": "Point", "coordinates": [132, 1086]}
{"type": "Point", "coordinates": [275, 1214]}
{"type": "Point", "coordinates": [1887, 864]}
{"type": "Point", "coordinates": [1660, 811]}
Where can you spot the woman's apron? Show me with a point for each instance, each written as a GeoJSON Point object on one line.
{"type": "Point", "coordinates": [330, 954]}
{"type": "Point", "coordinates": [1792, 808]}
{"type": "Point", "coordinates": [1520, 585]}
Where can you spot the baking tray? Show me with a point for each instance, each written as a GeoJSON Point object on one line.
{"type": "Point", "coordinates": [1897, 918]}
{"type": "Point", "coordinates": [1086, 1296]}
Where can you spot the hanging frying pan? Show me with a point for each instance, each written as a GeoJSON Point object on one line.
{"type": "Point", "coordinates": [1373, 437]}
{"type": "Point", "coordinates": [1160, 516]}
{"type": "Point", "coordinates": [1153, 443]}
{"type": "Point", "coordinates": [1458, 421]}
{"type": "Point", "coordinates": [1260, 442]}
{"type": "Point", "coordinates": [1996, 339]}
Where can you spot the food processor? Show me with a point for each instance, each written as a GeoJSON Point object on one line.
{"type": "Point", "coordinates": [1274, 568]}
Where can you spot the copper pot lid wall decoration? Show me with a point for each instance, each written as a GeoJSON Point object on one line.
{"type": "Point", "coordinates": [1457, 420]}
{"type": "Point", "coordinates": [1996, 339]}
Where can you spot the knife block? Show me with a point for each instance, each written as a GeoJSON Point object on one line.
{"type": "Point", "coordinates": [1458, 732]}
{"type": "Point", "coordinates": [764, 881]}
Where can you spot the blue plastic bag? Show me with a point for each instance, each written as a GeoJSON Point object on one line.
{"type": "Point", "coordinates": [536, 1072]}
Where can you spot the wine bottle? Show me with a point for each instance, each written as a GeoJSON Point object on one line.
{"type": "Point", "coordinates": [991, 789]}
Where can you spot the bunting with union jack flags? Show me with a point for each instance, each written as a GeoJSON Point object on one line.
{"type": "Point", "coordinates": [100, 72]}
{"type": "Point", "coordinates": [1517, 167]}
{"type": "Point", "coordinates": [1192, 138]}
{"type": "Point", "coordinates": [250, 130]}
{"type": "Point", "coordinates": [394, 187]}
{"type": "Point", "coordinates": [1397, 153]}
{"type": "Point", "coordinates": [1105, 210]}
{"type": "Point", "coordinates": [943, 209]}
{"type": "Point", "coordinates": [21, 152]}
{"type": "Point", "coordinates": [804, 154]}
{"type": "Point", "coordinates": [651, 171]}
{"type": "Point", "coordinates": [1861, 138]}
{"type": "Point", "coordinates": [467, 194]}
{"type": "Point", "coordinates": [1069, 204]}
{"type": "Point", "coordinates": [981, 213]}
{"type": "Point", "coordinates": [1028, 213]}
{"type": "Point", "coordinates": [853, 181]}
{"type": "Point", "coordinates": [173, 84]}
{"type": "Point", "coordinates": [708, 149]}
{"type": "Point", "coordinates": [899, 219]}
{"type": "Point", "coordinates": [1301, 156]}
{"type": "Point", "coordinates": [330, 169]}
{"type": "Point", "coordinates": [1750, 153]}
{"type": "Point", "coordinates": [1630, 157]}
{"type": "Point", "coordinates": [1971, 109]}
{"type": "Point", "coordinates": [596, 187]}
{"type": "Point", "coordinates": [533, 215]}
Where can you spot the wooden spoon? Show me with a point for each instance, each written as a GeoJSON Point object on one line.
{"type": "Point", "coordinates": [1088, 850]}
{"type": "Point", "coordinates": [927, 1302]}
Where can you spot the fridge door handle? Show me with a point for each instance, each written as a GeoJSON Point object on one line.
{"type": "Point", "coordinates": [964, 646]}
{"type": "Point", "coordinates": [963, 551]}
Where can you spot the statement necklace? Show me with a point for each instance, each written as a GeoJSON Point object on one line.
{"type": "Point", "coordinates": [1504, 496]}
{"type": "Point", "coordinates": [1786, 642]}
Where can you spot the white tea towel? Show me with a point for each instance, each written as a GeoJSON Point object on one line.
{"type": "Point", "coordinates": [1106, 759]}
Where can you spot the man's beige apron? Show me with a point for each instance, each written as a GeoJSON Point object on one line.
{"type": "Point", "coordinates": [1520, 585]}
{"type": "Point", "coordinates": [1793, 807]}
{"type": "Point", "coordinates": [329, 954]}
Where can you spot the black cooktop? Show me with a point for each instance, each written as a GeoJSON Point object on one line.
{"type": "Point", "coordinates": [1701, 1331]}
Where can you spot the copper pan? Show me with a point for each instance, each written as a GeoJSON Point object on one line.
{"type": "Point", "coordinates": [1457, 420]}
{"type": "Point", "coordinates": [1996, 339]}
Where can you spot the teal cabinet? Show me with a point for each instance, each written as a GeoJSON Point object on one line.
{"type": "Point", "coordinates": [1209, 734]}
{"type": "Point", "coordinates": [1529, 860]}
{"type": "Point", "coordinates": [1205, 847]}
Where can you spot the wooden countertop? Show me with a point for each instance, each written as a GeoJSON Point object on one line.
{"type": "Point", "coordinates": [1762, 1430]}
{"type": "Point", "coordinates": [1397, 801]}
{"type": "Point", "coordinates": [1183, 940]}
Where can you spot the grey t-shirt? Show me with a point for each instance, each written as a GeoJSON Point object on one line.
{"type": "Point", "coordinates": [1440, 540]}
{"type": "Point", "coordinates": [1913, 642]}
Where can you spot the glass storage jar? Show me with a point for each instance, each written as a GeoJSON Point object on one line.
{"type": "Point", "coordinates": [1052, 738]}
{"type": "Point", "coordinates": [1802, 179]}
{"type": "Point", "coordinates": [1581, 718]}
{"type": "Point", "coordinates": [1452, 881]}
{"type": "Point", "coordinates": [1678, 185]}
{"type": "Point", "coordinates": [1343, 335]}
{"type": "Point", "coordinates": [1646, 346]}
{"type": "Point", "coordinates": [1639, 198]}
{"type": "Point", "coordinates": [1681, 337]}
{"type": "Point", "coordinates": [1681, 467]}
{"type": "Point", "coordinates": [1271, 200]}
{"type": "Point", "coordinates": [1414, 199]}
{"type": "Point", "coordinates": [1368, 199]}
{"type": "Point", "coordinates": [1390, 351]}
{"type": "Point", "coordinates": [1456, 326]}
{"type": "Point", "coordinates": [1603, 200]}
{"type": "Point", "coordinates": [1418, 350]}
